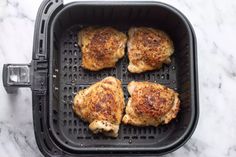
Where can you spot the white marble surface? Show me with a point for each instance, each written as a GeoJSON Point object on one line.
{"type": "Point", "coordinates": [214, 22]}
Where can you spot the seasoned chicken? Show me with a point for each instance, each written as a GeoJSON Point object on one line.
{"type": "Point", "coordinates": [101, 47]}
{"type": "Point", "coordinates": [101, 105]}
{"type": "Point", "coordinates": [148, 49]}
{"type": "Point", "coordinates": [150, 104]}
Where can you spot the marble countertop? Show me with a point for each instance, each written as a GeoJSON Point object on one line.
{"type": "Point", "coordinates": [214, 22]}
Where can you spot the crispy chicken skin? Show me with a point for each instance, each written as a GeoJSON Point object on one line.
{"type": "Point", "coordinates": [101, 105]}
{"type": "Point", "coordinates": [150, 104]}
{"type": "Point", "coordinates": [148, 49]}
{"type": "Point", "coordinates": [101, 47]}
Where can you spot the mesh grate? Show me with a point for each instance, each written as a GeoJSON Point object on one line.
{"type": "Point", "coordinates": [73, 78]}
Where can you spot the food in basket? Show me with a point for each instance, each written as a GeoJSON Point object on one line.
{"type": "Point", "coordinates": [150, 104]}
{"type": "Point", "coordinates": [148, 49]}
{"type": "Point", "coordinates": [101, 47]}
{"type": "Point", "coordinates": [101, 105]}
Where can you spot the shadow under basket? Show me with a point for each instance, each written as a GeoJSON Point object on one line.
{"type": "Point", "coordinates": [56, 76]}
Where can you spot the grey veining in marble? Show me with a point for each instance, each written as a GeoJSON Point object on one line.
{"type": "Point", "coordinates": [214, 22]}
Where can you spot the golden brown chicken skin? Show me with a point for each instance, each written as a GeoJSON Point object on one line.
{"type": "Point", "coordinates": [148, 49]}
{"type": "Point", "coordinates": [101, 105]}
{"type": "Point", "coordinates": [150, 104]}
{"type": "Point", "coordinates": [101, 47]}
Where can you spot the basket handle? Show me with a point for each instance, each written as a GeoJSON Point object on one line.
{"type": "Point", "coordinates": [16, 76]}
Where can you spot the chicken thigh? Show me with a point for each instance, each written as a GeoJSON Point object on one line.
{"type": "Point", "coordinates": [101, 47]}
{"type": "Point", "coordinates": [148, 49]}
{"type": "Point", "coordinates": [101, 105]}
{"type": "Point", "coordinates": [150, 104]}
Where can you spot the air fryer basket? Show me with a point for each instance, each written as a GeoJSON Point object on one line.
{"type": "Point", "coordinates": [55, 75]}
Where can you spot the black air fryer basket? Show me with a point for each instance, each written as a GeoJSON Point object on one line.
{"type": "Point", "coordinates": [55, 74]}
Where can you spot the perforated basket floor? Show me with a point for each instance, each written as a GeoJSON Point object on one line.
{"type": "Point", "coordinates": [72, 78]}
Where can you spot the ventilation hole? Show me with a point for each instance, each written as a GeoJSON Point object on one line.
{"type": "Point", "coordinates": [134, 137]}
{"type": "Point", "coordinates": [47, 8]}
{"type": "Point", "coordinates": [70, 61]}
{"type": "Point", "coordinates": [42, 26]}
{"type": "Point", "coordinates": [75, 76]}
{"type": "Point", "coordinates": [75, 131]}
{"type": "Point", "coordinates": [149, 130]}
{"type": "Point", "coordinates": [162, 76]}
{"type": "Point", "coordinates": [55, 112]}
{"type": "Point", "coordinates": [65, 98]}
{"type": "Point", "coordinates": [65, 114]}
{"type": "Point", "coordinates": [55, 121]}
{"type": "Point", "coordinates": [139, 130]}
{"type": "Point", "coordinates": [70, 77]}
{"type": "Point", "coordinates": [80, 137]}
{"type": "Point", "coordinates": [41, 124]}
{"type": "Point", "coordinates": [65, 52]}
{"type": "Point", "coordinates": [65, 76]}
{"type": "Point", "coordinates": [124, 130]}
{"type": "Point", "coordinates": [150, 137]}
{"type": "Point", "coordinates": [70, 130]}
{"type": "Point", "coordinates": [70, 97]}
{"type": "Point", "coordinates": [70, 52]}
{"type": "Point", "coordinates": [75, 122]}
{"type": "Point", "coordinates": [75, 60]}
{"type": "Point", "coordinates": [144, 131]}
{"type": "Point", "coordinates": [142, 137]}
{"type": "Point", "coordinates": [75, 68]}
{"type": "Point", "coordinates": [65, 89]}
{"type": "Point", "coordinates": [65, 68]}
{"type": "Point", "coordinates": [70, 114]}
{"type": "Point", "coordinates": [126, 137]}
{"type": "Point", "coordinates": [167, 76]}
{"type": "Point", "coordinates": [64, 122]}
{"type": "Point", "coordinates": [75, 53]}
{"type": "Point", "coordinates": [40, 46]}
{"type": "Point", "coordinates": [46, 144]}
{"type": "Point", "coordinates": [70, 122]}
{"type": "Point", "coordinates": [70, 89]}
{"type": "Point", "coordinates": [40, 108]}
{"type": "Point", "coordinates": [58, 133]}
{"type": "Point", "coordinates": [155, 131]}
{"type": "Point", "coordinates": [129, 131]}
{"type": "Point", "coordinates": [75, 45]}
{"type": "Point", "coordinates": [66, 142]}
{"type": "Point", "coordinates": [88, 137]}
